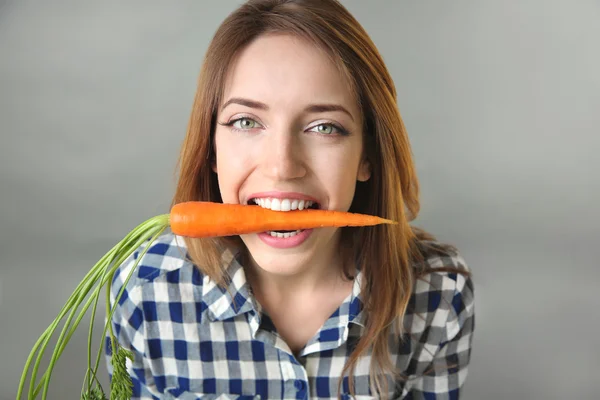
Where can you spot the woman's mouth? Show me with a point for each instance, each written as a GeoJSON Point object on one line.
{"type": "Point", "coordinates": [284, 239]}
{"type": "Point", "coordinates": [277, 204]}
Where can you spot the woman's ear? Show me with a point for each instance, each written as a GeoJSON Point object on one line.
{"type": "Point", "coordinates": [364, 170]}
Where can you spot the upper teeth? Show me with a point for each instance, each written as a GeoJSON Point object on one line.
{"type": "Point", "coordinates": [283, 204]}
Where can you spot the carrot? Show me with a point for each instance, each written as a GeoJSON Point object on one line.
{"type": "Point", "coordinates": [192, 219]}
{"type": "Point", "coordinates": [204, 219]}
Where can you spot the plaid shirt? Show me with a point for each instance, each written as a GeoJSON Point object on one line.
{"type": "Point", "coordinates": [192, 339]}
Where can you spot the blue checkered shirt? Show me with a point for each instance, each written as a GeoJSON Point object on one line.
{"type": "Point", "coordinates": [192, 339]}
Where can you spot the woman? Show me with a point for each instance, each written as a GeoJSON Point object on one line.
{"type": "Point", "coordinates": [295, 109]}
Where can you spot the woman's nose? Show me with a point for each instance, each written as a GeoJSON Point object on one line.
{"type": "Point", "coordinates": [282, 157]}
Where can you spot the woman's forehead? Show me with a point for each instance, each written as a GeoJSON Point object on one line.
{"type": "Point", "coordinates": [284, 70]}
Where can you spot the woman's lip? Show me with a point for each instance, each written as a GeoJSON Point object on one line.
{"type": "Point", "coordinates": [282, 195]}
{"type": "Point", "coordinates": [285, 243]}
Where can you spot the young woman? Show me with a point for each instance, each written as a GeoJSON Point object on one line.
{"type": "Point", "coordinates": [295, 109]}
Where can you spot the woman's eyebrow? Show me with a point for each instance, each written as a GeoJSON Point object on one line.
{"type": "Point", "coordinates": [245, 102]}
{"type": "Point", "coordinates": [311, 108]}
{"type": "Point", "coordinates": [317, 108]}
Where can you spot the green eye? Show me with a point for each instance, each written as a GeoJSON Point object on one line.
{"type": "Point", "coordinates": [325, 129]}
{"type": "Point", "coordinates": [245, 123]}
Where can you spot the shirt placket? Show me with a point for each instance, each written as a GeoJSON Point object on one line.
{"type": "Point", "coordinates": [295, 378]}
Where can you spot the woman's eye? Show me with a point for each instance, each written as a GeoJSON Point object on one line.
{"type": "Point", "coordinates": [327, 129]}
{"type": "Point", "coordinates": [245, 123]}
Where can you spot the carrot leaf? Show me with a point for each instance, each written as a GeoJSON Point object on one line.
{"type": "Point", "coordinates": [121, 387]}
{"type": "Point", "coordinates": [95, 394]}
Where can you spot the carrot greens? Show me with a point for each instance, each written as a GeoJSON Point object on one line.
{"type": "Point", "coordinates": [86, 293]}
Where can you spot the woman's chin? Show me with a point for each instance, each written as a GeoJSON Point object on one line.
{"type": "Point", "coordinates": [287, 256]}
{"type": "Point", "coordinates": [282, 265]}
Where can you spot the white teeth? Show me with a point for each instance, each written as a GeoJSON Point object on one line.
{"type": "Point", "coordinates": [284, 235]}
{"type": "Point", "coordinates": [276, 204]}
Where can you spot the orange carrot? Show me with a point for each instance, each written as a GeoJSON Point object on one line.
{"type": "Point", "coordinates": [206, 219]}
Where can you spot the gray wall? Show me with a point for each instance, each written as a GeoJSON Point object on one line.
{"type": "Point", "coordinates": [501, 100]}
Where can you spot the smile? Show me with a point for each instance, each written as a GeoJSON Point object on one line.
{"type": "Point", "coordinates": [277, 204]}
{"type": "Point", "coordinates": [284, 239]}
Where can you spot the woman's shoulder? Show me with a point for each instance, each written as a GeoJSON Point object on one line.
{"type": "Point", "coordinates": [435, 256]}
{"type": "Point", "coordinates": [443, 287]}
{"type": "Point", "coordinates": [439, 321]}
{"type": "Point", "coordinates": [162, 261]}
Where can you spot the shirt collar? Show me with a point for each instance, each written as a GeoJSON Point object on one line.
{"type": "Point", "coordinates": [336, 329]}
{"type": "Point", "coordinates": [356, 314]}
{"type": "Point", "coordinates": [236, 299]}
{"type": "Point", "coordinates": [233, 299]}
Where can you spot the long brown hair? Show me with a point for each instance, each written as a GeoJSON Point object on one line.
{"type": "Point", "coordinates": [386, 253]}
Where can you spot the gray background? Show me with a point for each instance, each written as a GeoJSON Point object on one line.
{"type": "Point", "coordinates": [501, 100]}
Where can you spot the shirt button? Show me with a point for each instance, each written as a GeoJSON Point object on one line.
{"type": "Point", "coordinates": [300, 386]}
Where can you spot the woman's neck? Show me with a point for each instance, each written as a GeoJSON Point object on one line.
{"type": "Point", "coordinates": [300, 304]}
{"type": "Point", "coordinates": [323, 274]}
